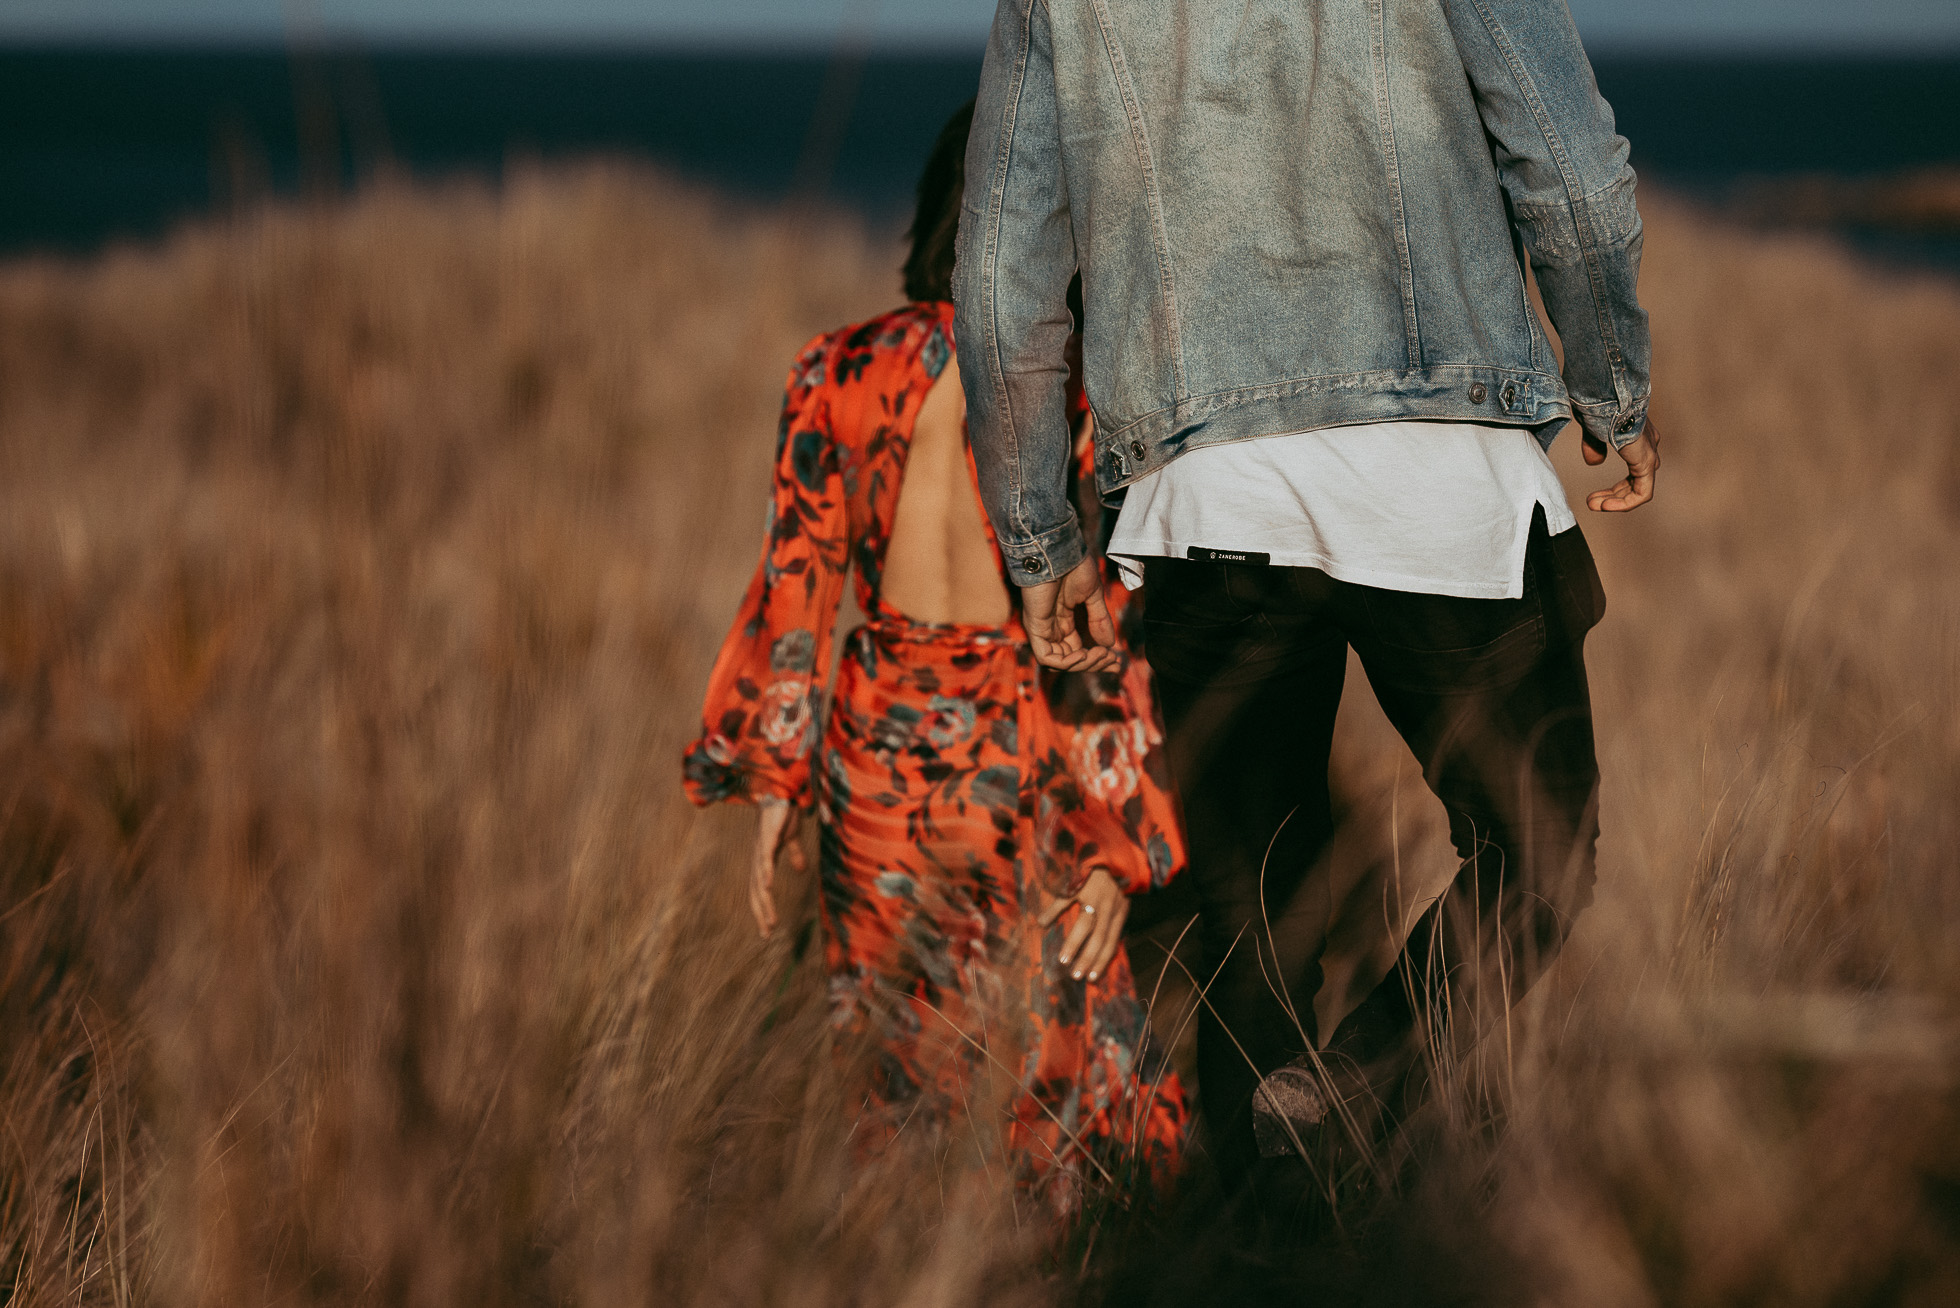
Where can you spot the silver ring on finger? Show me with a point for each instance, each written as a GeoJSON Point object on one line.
{"type": "Point", "coordinates": [1088, 908]}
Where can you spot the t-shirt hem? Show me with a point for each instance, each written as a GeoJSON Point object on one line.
{"type": "Point", "coordinates": [1132, 577]}
{"type": "Point", "coordinates": [1559, 517]}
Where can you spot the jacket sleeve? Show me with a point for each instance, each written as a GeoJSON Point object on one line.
{"type": "Point", "coordinates": [1016, 254]}
{"type": "Point", "coordinates": [1564, 171]}
{"type": "Point", "coordinates": [761, 715]}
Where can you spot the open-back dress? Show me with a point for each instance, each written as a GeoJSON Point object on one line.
{"type": "Point", "coordinates": [959, 788]}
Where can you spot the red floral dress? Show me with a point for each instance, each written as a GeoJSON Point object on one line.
{"type": "Point", "coordinates": [959, 787]}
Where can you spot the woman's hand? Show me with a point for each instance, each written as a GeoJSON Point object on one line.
{"type": "Point", "coordinates": [1098, 929]}
{"type": "Point", "coordinates": [779, 822]}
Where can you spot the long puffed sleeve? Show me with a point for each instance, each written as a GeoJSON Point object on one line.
{"type": "Point", "coordinates": [762, 712]}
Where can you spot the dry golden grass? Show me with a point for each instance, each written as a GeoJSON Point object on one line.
{"type": "Point", "coordinates": [359, 572]}
{"type": "Point", "coordinates": [1925, 200]}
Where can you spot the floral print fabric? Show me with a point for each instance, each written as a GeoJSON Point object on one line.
{"type": "Point", "coordinates": [959, 788]}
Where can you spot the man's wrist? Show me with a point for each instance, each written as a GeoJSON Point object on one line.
{"type": "Point", "coordinates": [1610, 425]}
{"type": "Point", "coordinates": [1046, 558]}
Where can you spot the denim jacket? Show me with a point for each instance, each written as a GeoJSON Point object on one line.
{"type": "Point", "coordinates": [1287, 214]}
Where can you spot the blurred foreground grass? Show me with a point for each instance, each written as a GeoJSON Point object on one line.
{"type": "Point", "coordinates": [359, 572]}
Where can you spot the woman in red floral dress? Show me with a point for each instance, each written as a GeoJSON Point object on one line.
{"type": "Point", "coordinates": [981, 820]}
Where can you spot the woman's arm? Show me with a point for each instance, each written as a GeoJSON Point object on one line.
{"type": "Point", "coordinates": [760, 717]}
{"type": "Point", "coordinates": [775, 834]}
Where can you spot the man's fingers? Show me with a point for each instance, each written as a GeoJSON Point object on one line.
{"type": "Point", "coordinates": [1083, 589]}
{"type": "Point", "coordinates": [1080, 661]}
{"type": "Point", "coordinates": [1597, 500]}
{"type": "Point", "coordinates": [1047, 656]}
{"type": "Point", "coordinates": [1628, 495]}
{"type": "Point", "coordinates": [1102, 627]}
{"type": "Point", "coordinates": [1594, 450]}
{"type": "Point", "coordinates": [1039, 603]}
{"type": "Point", "coordinates": [1065, 642]}
{"type": "Point", "coordinates": [1060, 655]}
{"type": "Point", "coordinates": [1073, 657]}
{"type": "Point", "coordinates": [1047, 630]}
{"type": "Point", "coordinates": [1643, 460]}
{"type": "Point", "coordinates": [1057, 638]}
{"type": "Point", "coordinates": [1062, 639]}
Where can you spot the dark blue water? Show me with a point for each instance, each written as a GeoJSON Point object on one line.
{"type": "Point", "coordinates": [97, 145]}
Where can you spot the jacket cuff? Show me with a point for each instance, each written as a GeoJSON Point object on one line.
{"type": "Point", "coordinates": [1047, 557]}
{"type": "Point", "coordinates": [1611, 423]}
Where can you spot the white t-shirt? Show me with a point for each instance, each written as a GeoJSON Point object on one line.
{"type": "Point", "coordinates": [1439, 508]}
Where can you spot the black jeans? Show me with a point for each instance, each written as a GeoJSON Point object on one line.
{"type": "Point", "coordinates": [1489, 694]}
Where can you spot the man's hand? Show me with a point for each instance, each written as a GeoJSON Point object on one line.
{"type": "Point", "coordinates": [1643, 459]}
{"type": "Point", "coordinates": [777, 831]}
{"type": "Point", "coordinates": [1058, 639]}
{"type": "Point", "coordinates": [1098, 928]}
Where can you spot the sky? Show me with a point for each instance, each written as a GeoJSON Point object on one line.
{"type": "Point", "coordinates": [1728, 24]}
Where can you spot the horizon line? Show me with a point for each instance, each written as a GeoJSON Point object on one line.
{"type": "Point", "coordinates": [923, 46]}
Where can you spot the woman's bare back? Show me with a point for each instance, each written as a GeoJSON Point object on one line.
{"type": "Point", "coordinates": [940, 565]}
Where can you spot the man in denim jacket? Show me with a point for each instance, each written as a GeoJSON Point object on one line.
{"type": "Point", "coordinates": [1322, 399]}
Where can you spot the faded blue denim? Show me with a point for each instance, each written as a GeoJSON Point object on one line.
{"type": "Point", "coordinates": [1288, 214]}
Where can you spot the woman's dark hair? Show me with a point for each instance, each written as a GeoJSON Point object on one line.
{"type": "Point", "coordinates": [936, 221]}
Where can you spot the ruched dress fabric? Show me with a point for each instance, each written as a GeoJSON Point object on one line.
{"type": "Point", "coordinates": [959, 788]}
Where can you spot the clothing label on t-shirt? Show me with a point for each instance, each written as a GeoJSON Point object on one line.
{"type": "Point", "coordinates": [1203, 555]}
